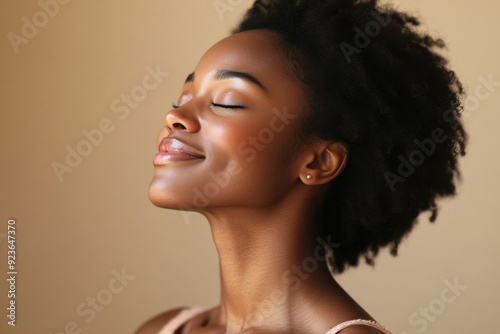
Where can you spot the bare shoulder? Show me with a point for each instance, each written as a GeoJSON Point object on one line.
{"type": "Point", "coordinates": [155, 324]}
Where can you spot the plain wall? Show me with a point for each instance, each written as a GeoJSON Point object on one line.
{"type": "Point", "coordinates": [75, 234]}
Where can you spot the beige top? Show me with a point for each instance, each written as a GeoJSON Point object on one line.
{"type": "Point", "coordinates": [189, 313]}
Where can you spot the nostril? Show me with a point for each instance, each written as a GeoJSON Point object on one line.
{"type": "Point", "coordinates": [181, 121]}
{"type": "Point", "coordinates": [179, 126]}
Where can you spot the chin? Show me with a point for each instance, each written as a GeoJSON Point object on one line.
{"type": "Point", "coordinates": [162, 195]}
{"type": "Point", "coordinates": [159, 195]}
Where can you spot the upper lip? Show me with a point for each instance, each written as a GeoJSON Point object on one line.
{"type": "Point", "coordinates": [169, 145]}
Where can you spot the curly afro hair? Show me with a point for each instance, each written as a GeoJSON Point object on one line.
{"type": "Point", "coordinates": [378, 85]}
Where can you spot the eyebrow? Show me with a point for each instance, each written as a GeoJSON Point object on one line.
{"type": "Point", "coordinates": [226, 74]}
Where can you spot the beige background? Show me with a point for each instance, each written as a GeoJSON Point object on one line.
{"type": "Point", "coordinates": [73, 234]}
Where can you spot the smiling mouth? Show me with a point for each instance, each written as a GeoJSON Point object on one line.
{"type": "Point", "coordinates": [173, 150]}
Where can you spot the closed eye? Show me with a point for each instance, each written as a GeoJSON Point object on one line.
{"type": "Point", "coordinates": [227, 106]}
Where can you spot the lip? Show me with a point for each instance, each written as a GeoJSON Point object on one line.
{"type": "Point", "coordinates": [173, 150]}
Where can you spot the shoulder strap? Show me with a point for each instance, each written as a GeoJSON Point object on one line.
{"type": "Point", "coordinates": [181, 318]}
{"type": "Point", "coordinates": [370, 323]}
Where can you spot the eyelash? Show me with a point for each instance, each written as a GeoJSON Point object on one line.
{"type": "Point", "coordinates": [217, 105]}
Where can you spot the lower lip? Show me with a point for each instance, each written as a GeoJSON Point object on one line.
{"type": "Point", "coordinates": [163, 158]}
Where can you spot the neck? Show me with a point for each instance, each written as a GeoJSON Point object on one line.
{"type": "Point", "coordinates": [270, 263]}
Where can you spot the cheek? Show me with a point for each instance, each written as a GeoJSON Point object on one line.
{"type": "Point", "coordinates": [228, 132]}
{"type": "Point", "coordinates": [226, 137]}
{"type": "Point", "coordinates": [261, 149]}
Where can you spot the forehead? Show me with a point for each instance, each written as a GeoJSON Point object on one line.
{"type": "Point", "coordinates": [245, 49]}
{"type": "Point", "coordinates": [257, 52]}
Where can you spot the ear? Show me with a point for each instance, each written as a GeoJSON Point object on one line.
{"type": "Point", "coordinates": [325, 161]}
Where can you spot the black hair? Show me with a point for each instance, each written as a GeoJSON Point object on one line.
{"type": "Point", "coordinates": [376, 83]}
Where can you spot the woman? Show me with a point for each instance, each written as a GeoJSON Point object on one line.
{"type": "Point", "coordinates": [312, 136]}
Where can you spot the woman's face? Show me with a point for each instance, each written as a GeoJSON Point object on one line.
{"type": "Point", "coordinates": [232, 140]}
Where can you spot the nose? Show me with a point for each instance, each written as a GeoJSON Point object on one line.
{"type": "Point", "coordinates": [182, 119]}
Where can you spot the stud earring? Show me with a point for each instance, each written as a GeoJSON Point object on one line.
{"type": "Point", "coordinates": [308, 177]}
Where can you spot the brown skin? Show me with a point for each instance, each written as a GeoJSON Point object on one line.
{"type": "Point", "coordinates": [261, 221]}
